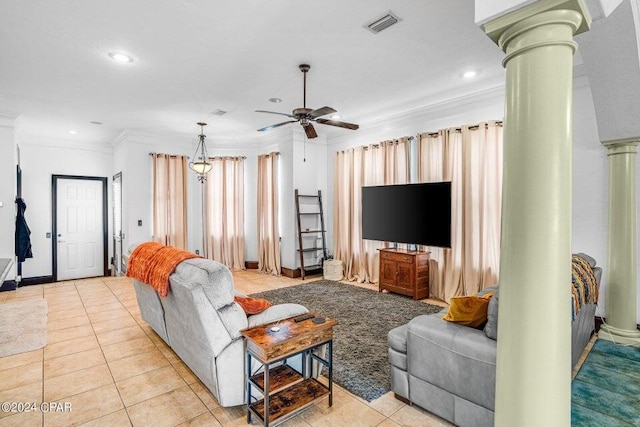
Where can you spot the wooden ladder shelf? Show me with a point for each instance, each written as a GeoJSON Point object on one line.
{"type": "Point", "coordinates": [316, 202]}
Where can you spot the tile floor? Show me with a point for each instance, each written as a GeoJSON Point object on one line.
{"type": "Point", "coordinates": [104, 360]}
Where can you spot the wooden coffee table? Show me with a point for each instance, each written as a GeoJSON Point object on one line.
{"type": "Point", "coordinates": [286, 391]}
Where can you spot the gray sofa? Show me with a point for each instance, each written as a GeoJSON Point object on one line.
{"type": "Point", "coordinates": [450, 370]}
{"type": "Point", "coordinates": [201, 322]}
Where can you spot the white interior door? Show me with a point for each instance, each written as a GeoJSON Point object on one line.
{"type": "Point", "coordinates": [79, 225]}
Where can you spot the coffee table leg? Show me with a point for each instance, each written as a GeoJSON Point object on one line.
{"type": "Point", "coordinates": [248, 387]}
{"type": "Point", "coordinates": [330, 372]}
{"type": "Point", "coordinates": [266, 394]}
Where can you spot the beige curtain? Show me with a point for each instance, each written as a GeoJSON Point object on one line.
{"type": "Point", "coordinates": [384, 163]}
{"type": "Point", "coordinates": [471, 158]}
{"type": "Point", "coordinates": [268, 229]}
{"type": "Point", "coordinates": [169, 199]}
{"type": "Point", "coordinates": [224, 212]}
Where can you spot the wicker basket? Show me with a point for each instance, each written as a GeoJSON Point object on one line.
{"type": "Point", "coordinates": [332, 269]}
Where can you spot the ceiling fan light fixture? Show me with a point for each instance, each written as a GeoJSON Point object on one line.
{"type": "Point", "coordinates": [307, 116]}
{"type": "Point", "coordinates": [335, 116]}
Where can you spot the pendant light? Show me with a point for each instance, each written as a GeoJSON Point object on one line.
{"type": "Point", "coordinates": [201, 166]}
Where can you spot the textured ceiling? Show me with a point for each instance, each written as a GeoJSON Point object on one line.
{"type": "Point", "coordinates": [193, 57]}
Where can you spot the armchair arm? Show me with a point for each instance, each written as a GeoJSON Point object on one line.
{"type": "Point", "coordinates": [276, 312]}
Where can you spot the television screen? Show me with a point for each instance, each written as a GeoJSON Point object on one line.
{"type": "Point", "coordinates": [409, 213]}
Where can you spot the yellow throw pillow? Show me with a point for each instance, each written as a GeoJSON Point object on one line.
{"type": "Point", "coordinates": [469, 310]}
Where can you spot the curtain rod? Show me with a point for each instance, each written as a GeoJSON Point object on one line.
{"type": "Point", "coordinates": [214, 157]}
{"type": "Point", "coordinates": [228, 157]}
{"type": "Point", "coordinates": [169, 155]}
{"type": "Point", "coordinates": [277, 153]}
{"type": "Point", "coordinates": [366, 147]}
{"type": "Point", "coordinates": [459, 129]}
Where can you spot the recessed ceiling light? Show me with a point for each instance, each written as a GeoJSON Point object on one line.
{"type": "Point", "coordinates": [73, 132]}
{"type": "Point", "coordinates": [120, 57]}
{"type": "Point", "coordinates": [335, 116]}
{"type": "Point", "coordinates": [469, 74]}
{"type": "Point", "coordinates": [276, 100]}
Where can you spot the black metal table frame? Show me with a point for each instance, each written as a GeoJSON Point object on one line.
{"type": "Point", "coordinates": [307, 357]}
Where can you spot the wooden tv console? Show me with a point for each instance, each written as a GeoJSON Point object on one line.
{"type": "Point", "coordinates": [404, 272]}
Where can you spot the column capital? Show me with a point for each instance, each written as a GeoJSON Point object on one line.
{"type": "Point", "coordinates": [496, 27]}
{"type": "Point", "coordinates": [622, 146]}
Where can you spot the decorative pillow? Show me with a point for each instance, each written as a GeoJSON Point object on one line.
{"type": "Point", "coordinates": [468, 310]}
{"type": "Point", "coordinates": [252, 305]}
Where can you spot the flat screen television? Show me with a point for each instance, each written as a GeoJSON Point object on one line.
{"type": "Point", "coordinates": [418, 214]}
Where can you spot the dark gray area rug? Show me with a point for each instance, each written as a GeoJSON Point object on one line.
{"type": "Point", "coordinates": [360, 362]}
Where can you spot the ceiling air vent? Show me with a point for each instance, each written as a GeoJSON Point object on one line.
{"type": "Point", "coordinates": [382, 22]}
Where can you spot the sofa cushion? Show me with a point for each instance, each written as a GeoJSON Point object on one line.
{"type": "Point", "coordinates": [215, 279]}
{"type": "Point", "coordinates": [397, 338]}
{"type": "Point", "coordinates": [491, 327]}
{"type": "Point", "coordinates": [468, 310]}
{"type": "Point", "coordinates": [458, 359]}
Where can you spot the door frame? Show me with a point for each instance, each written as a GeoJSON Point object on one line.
{"type": "Point", "coordinates": [54, 220]}
{"type": "Point", "coordinates": [115, 243]}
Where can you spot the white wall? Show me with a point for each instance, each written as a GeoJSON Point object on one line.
{"type": "Point", "coordinates": [7, 193]}
{"type": "Point", "coordinates": [131, 157]}
{"type": "Point", "coordinates": [39, 163]}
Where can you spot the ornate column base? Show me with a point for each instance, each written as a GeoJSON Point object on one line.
{"type": "Point", "coordinates": [620, 336]}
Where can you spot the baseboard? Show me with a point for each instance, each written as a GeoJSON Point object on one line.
{"type": "Point", "coordinates": [38, 280]}
{"type": "Point", "coordinates": [601, 320]}
{"type": "Point", "coordinates": [289, 272]}
{"type": "Point", "coordinates": [251, 265]}
{"type": "Point", "coordinates": [8, 285]}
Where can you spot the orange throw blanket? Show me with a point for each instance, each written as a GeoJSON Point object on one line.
{"type": "Point", "coordinates": [153, 263]}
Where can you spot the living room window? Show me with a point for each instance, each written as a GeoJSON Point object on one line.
{"type": "Point", "coordinates": [471, 158]}
{"type": "Point", "coordinates": [377, 164]}
{"type": "Point", "coordinates": [169, 199]}
{"type": "Point", "coordinates": [224, 212]}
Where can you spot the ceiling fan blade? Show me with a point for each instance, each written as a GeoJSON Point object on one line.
{"type": "Point", "coordinates": [273, 112]}
{"type": "Point", "coordinates": [321, 112]}
{"type": "Point", "coordinates": [310, 131]}
{"type": "Point", "coordinates": [276, 125]}
{"type": "Point", "coordinates": [338, 124]}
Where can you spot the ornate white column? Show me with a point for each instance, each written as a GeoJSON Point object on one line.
{"type": "Point", "coordinates": [533, 375]}
{"type": "Point", "coordinates": [622, 293]}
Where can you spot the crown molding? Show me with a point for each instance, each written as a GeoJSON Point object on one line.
{"type": "Point", "coordinates": [8, 118]}
{"type": "Point", "coordinates": [433, 108]}
{"type": "Point", "coordinates": [37, 141]}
